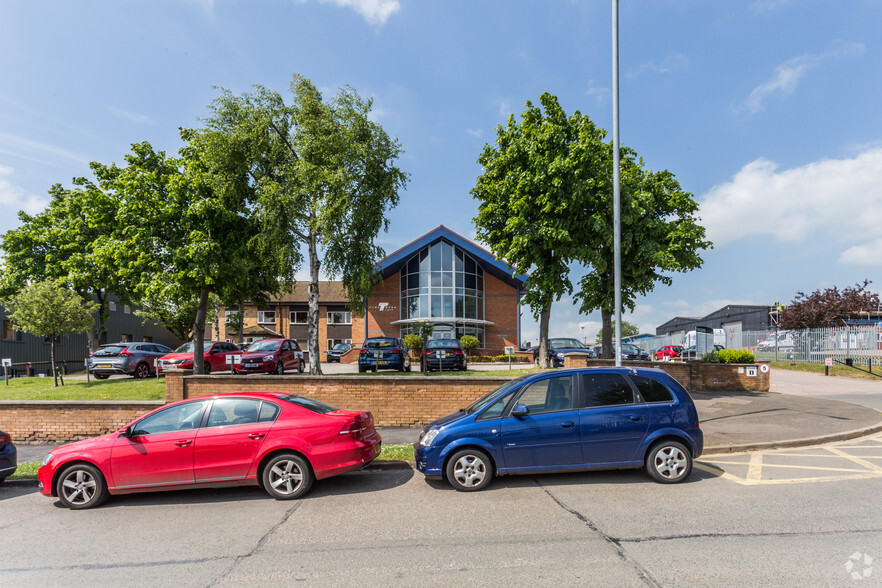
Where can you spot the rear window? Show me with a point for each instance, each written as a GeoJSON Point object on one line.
{"type": "Point", "coordinates": [309, 403]}
{"type": "Point", "coordinates": [379, 343]}
{"type": "Point", "coordinates": [110, 350]}
{"type": "Point", "coordinates": [652, 390]}
{"type": "Point", "coordinates": [443, 344]}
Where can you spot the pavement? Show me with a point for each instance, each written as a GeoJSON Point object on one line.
{"type": "Point", "coordinates": [801, 409]}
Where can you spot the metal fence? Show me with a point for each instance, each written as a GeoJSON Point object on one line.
{"type": "Point", "coordinates": [859, 344]}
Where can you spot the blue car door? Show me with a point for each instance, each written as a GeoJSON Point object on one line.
{"type": "Point", "coordinates": [548, 435]}
{"type": "Point", "coordinates": [612, 423]}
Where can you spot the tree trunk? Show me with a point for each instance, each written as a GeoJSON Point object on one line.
{"type": "Point", "coordinates": [544, 318]}
{"type": "Point", "coordinates": [241, 320]}
{"type": "Point", "coordinates": [606, 339]}
{"type": "Point", "coordinates": [199, 334]}
{"type": "Point", "coordinates": [93, 335]}
{"type": "Point", "coordinates": [217, 323]}
{"type": "Point", "coordinates": [312, 343]}
{"type": "Point", "coordinates": [52, 358]}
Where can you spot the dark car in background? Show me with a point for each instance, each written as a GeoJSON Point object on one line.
{"type": "Point", "coordinates": [558, 347]}
{"type": "Point", "coordinates": [630, 352]}
{"type": "Point", "coordinates": [8, 456]}
{"type": "Point", "coordinates": [445, 354]}
{"type": "Point", "coordinates": [271, 356]}
{"type": "Point", "coordinates": [567, 421]}
{"type": "Point", "coordinates": [383, 353]}
{"type": "Point", "coordinates": [134, 359]}
{"type": "Point", "coordinates": [337, 351]}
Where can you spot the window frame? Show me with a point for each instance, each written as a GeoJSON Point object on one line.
{"type": "Point", "coordinates": [262, 314]}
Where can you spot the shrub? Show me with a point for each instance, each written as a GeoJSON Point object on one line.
{"type": "Point", "coordinates": [505, 358]}
{"type": "Point", "coordinates": [711, 357]}
{"type": "Point", "coordinates": [413, 341]}
{"type": "Point", "coordinates": [469, 343]}
{"type": "Point", "coordinates": [735, 356]}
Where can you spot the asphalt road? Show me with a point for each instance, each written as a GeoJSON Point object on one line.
{"type": "Point", "coordinates": [768, 518]}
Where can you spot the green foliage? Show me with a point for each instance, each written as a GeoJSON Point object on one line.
{"type": "Point", "coordinates": [413, 341]}
{"type": "Point", "coordinates": [469, 343]}
{"type": "Point", "coordinates": [505, 358]}
{"type": "Point", "coordinates": [49, 309]}
{"type": "Point", "coordinates": [628, 330]}
{"type": "Point", "coordinates": [729, 356]}
{"type": "Point", "coordinates": [538, 193]}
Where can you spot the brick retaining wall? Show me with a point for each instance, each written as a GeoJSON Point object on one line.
{"type": "Point", "coordinates": [395, 401]}
{"type": "Point", "coordinates": [694, 375]}
{"type": "Point", "coordinates": [58, 421]}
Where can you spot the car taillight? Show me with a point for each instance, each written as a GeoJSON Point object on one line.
{"type": "Point", "coordinates": [455, 352]}
{"type": "Point", "coordinates": [5, 438]}
{"type": "Point", "coordinates": [354, 428]}
{"type": "Point", "coordinates": [364, 352]}
{"type": "Point", "coordinates": [125, 353]}
{"type": "Point", "coordinates": [396, 351]}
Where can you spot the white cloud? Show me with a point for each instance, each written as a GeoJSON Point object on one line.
{"type": "Point", "coordinates": [837, 199]}
{"type": "Point", "coordinates": [375, 12]}
{"type": "Point", "coordinates": [787, 76]}
{"type": "Point", "coordinates": [14, 198]}
{"type": "Point", "coordinates": [31, 150]}
{"type": "Point", "coordinates": [476, 133]}
{"type": "Point", "coordinates": [599, 93]}
{"type": "Point", "coordinates": [869, 254]}
{"type": "Point", "coordinates": [671, 62]}
{"type": "Point", "coordinates": [134, 117]}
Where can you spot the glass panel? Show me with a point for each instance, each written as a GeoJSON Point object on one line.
{"type": "Point", "coordinates": [446, 257]}
{"type": "Point", "coordinates": [606, 390]}
{"type": "Point", "coordinates": [458, 261]}
{"type": "Point", "coordinates": [436, 279]}
{"type": "Point", "coordinates": [413, 266]}
{"type": "Point", "coordinates": [424, 305]}
{"type": "Point", "coordinates": [424, 260]}
{"type": "Point", "coordinates": [469, 265]}
{"type": "Point", "coordinates": [470, 309]}
{"type": "Point", "coordinates": [268, 412]}
{"type": "Point", "coordinates": [447, 280]}
{"type": "Point", "coordinates": [448, 306]}
{"type": "Point", "coordinates": [480, 271]}
{"type": "Point", "coordinates": [481, 284]}
{"type": "Point", "coordinates": [233, 411]}
{"type": "Point", "coordinates": [459, 279]}
{"type": "Point", "coordinates": [436, 257]}
{"type": "Point", "coordinates": [470, 281]}
{"type": "Point", "coordinates": [652, 390]}
{"type": "Point", "coordinates": [178, 418]}
{"type": "Point", "coordinates": [460, 307]}
{"type": "Point", "coordinates": [436, 305]}
{"type": "Point", "coordinates": [403, 282]}
{"type": "Point", "coordinates": [424, 279]}
{"type": "Point", "coordinates": [548, 395]}
{"type": "Point", "coordinates": [413, 281]}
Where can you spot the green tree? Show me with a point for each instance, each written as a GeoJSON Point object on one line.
{"type": "Point", "coordinates": [537, 194]}
{"type": "Point", "coordinates": [660, 234]}
{"type": "Point", "coordinates": [62, 243]}
{"type": "Point", "coordinates": [322, 176]}
{"type": "Point", "coordinates": [628, 330]}
{"type": "Point", "coordinates": [415, 342]}
{"type": "Point", "coordinates": [50, 309]}
{"type": "Point", "coordinates": [469, 343]}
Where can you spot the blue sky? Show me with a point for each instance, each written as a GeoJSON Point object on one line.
{"type": "Point", "coordinates": [768, 111]}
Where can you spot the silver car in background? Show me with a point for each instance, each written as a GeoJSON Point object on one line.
{"type": "Point", "coordinates": [134, 359]}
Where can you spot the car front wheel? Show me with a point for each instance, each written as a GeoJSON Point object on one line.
{"type": "Point", "coordinates": [469, 470]}
{"type": "Point", "coordinates": [669, 462]}
{"type": "Point", "coordinates": [280, 368]}
{"type": "Point", "coordinates": [287, 476]}
{"type": "Point", "coordinates": [81, 486]}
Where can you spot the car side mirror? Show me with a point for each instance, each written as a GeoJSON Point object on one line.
{"type": "Point", "coordinates": [129, 431]}
{"type": "Point", "coordinates": [520, 410]}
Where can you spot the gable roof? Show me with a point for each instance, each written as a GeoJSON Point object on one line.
{"type": "Point", "coordinates": [392, 263]}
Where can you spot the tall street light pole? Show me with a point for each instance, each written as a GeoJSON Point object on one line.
{"type": "Point", "coordinates": [617, 195]}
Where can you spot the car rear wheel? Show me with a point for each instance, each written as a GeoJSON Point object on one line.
{"type": "Point", "coordinates": [469, 470]}
{"type": "Point", "coordinates": [287, 476]}
{"type": "Point", "coordinates": [280, 368]}
{"type": "Point", "coordinates": [142, 371]}
{"type": "Point", "coordinates": [81, 486]}
{"type": "Point", "coordinates": [101, 376]}
{"type": "Point", "coordinates": [206, 368]}
{"type": "Point", "coordinates": [669, 462]}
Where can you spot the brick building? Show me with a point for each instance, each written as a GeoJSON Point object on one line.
{"type": "Point", "coordinates": [442, 278]}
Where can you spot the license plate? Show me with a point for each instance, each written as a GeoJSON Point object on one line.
{"type": "Point", "coordinates": [252, 365]}
{"type": "Point", "coordinates": [380, 362]}
{"type": "Point", "coordinates": [103, 365]}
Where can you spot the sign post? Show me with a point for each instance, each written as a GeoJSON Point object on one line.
{"type": "Point", "coordinates": [509, 351]}
{"type": "Point", "coordinates": [827, 363]}
{"type": "Point", "coordinates": [232, 360]}
{"type": "Point", "coordinates": [7, 363]}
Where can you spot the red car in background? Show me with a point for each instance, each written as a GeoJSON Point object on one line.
{"type": "Point", "coordinates": [669, 352]}
{"type": "Point", "coordinates": [214, 352]}
{"type": "Point", "coordinates": [271, 356]}
{"type": "Point", "coordinates": [281, 442]}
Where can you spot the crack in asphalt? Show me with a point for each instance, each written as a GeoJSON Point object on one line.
{"type": "Point", "coordinates": [260, 543]}
{"type": "Point", "coordinates": [779, 534]}
{"type": "Point", "coordinates": [616, 543]}
{"type": "Point", "coordinates": [111, 566]}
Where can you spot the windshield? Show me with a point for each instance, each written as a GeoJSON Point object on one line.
{"type": "Point", "coordinates": [341, 346]}
{"type": "Point", "coordinates": [189, 347]}
{"type": "Point", "coordinates": [485, 400]}
{"type": "Point", "coordinates": [629, 347]}
{"type": "Point", "coordinates": [265, 345]}
{"type": "Point", "coordinates": [562, 343]}
{"type": "Point", "coordinates": [379, 343]}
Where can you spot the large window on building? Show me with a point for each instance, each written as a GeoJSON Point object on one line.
{"type": "Point", "coordinates": [442, 281]}
{"type": "Point", "coordinates": [339, 317]}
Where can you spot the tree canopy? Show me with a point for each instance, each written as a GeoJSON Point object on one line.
{"type": "Point", "coordinates": [828, 307]}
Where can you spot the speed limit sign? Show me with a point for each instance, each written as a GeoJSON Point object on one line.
{"type": "Point", "coordinates": [764, 368]}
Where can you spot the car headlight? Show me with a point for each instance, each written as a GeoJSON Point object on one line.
{"type": "Point", "coordinates": [560, 355]}
{"type": "Point", "coordinates": [429, 437]}
{"type": "Point", "coordinates": [267, 358]}
{"type": "Point", "coordinates": [47, 459]}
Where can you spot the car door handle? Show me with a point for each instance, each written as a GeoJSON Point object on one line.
{"type": "Point", "coordinates": [568, 424]}
{"type": "Point", "coordinates": [255, 436]}
{"type": "Point", "coordinates": [182, 443]}
{"type": "Point", "coordinates": [636, 419]}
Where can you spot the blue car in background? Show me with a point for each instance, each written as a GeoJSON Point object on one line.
{"type": "Point", "coordinates": [559, 347]}
{"type": "Point", "coordinates": [8, 456]}
{"type": "Point", "coordinates": [562, 421]}
{"type": "Point", "coordinates": [383, 353]}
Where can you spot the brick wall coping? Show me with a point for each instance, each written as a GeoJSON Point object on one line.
{"type": "Point", "coordinates": [84, 403]}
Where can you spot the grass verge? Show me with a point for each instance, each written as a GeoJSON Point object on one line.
{"type": "Point", "coordinates": [112, 389]}
{"type": "Point", "coordinates": [835, 370]}
{"type": "Point", "coordinates": [27, 470]}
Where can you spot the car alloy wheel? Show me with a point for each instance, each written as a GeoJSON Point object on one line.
{"type": "Point", "coordinates": [142, 371]}
{"type": "Point", "coordinates": [280, 368]}
{"type": "Point", "coordinates": [81, 486]}
{"type": "Point", "coordinates": [469, 470]}
{"type": "Point", "coordinates": [669, 462]}
{"type": "Point", "coordinates": [287, 476]}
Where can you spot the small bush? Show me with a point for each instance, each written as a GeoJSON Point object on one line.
{"type": "Point", "coordinates": [735, 356]}
{"type": "Point", "coordinates": [711, 357]}
{"type": "Point", "coordinates": [481, 358]}
{"type": "Point", "coordinates": [469, 343]}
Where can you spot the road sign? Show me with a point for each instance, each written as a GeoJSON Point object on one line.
{"type": "Point", "coordinates": [828, 361]}
{"type": "Point", "coordinates": [764, 368]}
{"type": "Point", "coordinates": [231, 359]}
{"type": "Point", "coordinates": [7, 362]}
{"type": "Point", "coordinates": [509, 350]}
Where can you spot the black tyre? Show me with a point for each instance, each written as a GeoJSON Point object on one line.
{"type": "Point", "coordinates": [280, 368]}
{"type": "Point", "coordinates": [206, 368]}
{"type": "Point", "coordinates": [668, 462]}
{"type": "Point", "coordinates": [469, 470]}
{"type": "Point", "coordinates": [142, 371]}
{"type": "Point", "coordinates": [361, 369]}
{"type": "Point", "coordinates": [81, 486]}
{"type": "Point", "coordinates": [409, 365]}
{"type": "Point", "coordinates": [101, 376]}
{"type": "Point", "coordinates": [401, 365]}
{"type": "Point", "coordinates": [287, 476]}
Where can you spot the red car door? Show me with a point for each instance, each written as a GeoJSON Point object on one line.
{"type": "Point", "coordinates": [160, 452]}
{"type": "Point", "coordinates": [227, 446]}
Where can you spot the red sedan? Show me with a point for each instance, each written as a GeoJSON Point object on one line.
{"type": "Point", "coordinates": [271, 356]}
{"type": "Point", "coordinates": [281, 442]}
{"type": "Point", "coordinates": [669, 352]}
{"type": "Point", "coordinates": [214, 352]}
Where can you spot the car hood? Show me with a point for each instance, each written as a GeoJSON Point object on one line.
{"type": "Point", "coordinates": [570, 350]}
{"type": "Point", "coordinates": [86, 444]}
{"type": "Point", "coordinates": [257, 354]}
{"type": "Point", "coordinates": [173, 356]}
{"type": "Point", "coordinates": [446, 420]}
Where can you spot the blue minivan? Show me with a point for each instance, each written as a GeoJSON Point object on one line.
{"type": "Point", "coordinates": [562, 421]}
